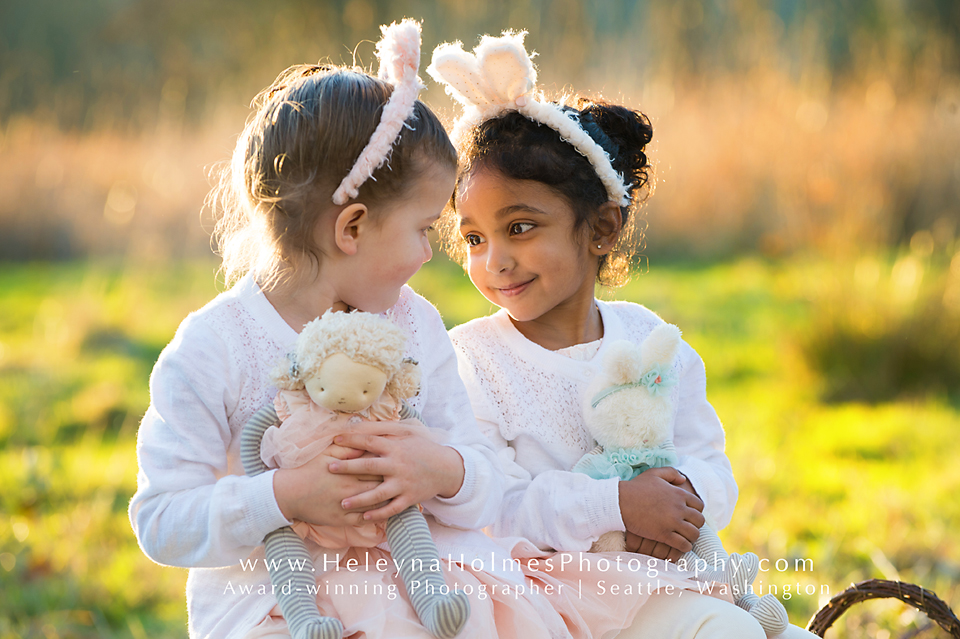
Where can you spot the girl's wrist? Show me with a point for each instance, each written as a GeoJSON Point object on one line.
{"type": "Point", "coordinates": [454, 473]}
{"type": "Point", "coordinates": [282, 491]}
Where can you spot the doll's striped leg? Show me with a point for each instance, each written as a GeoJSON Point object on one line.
{"type": "Point", "coordinates": [291, 568]}
{"type": "Point", "coordinates": [251, 437]}
{"type": "Point", "coordinates": [294, 580]}
{"type": "Point", "coordinates": [418, 560]}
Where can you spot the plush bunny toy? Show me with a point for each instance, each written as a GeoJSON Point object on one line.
{"type": "Point", "coordinates": [629, 416]}
{"type": "Point", "coordinates": [346, 373]}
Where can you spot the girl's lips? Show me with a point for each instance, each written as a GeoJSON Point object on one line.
{"type": "Point", "coordinates": [515, 289]}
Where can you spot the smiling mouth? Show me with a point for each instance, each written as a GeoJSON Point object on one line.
{"type": "Point", "coordinates": [515, 289]}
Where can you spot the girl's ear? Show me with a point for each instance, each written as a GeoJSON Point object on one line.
{"type": "Point", "coordinates": [349, 225]}
{"type": "Point", "coordinates": [606, 228]}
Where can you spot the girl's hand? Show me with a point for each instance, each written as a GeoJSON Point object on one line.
{"type": "Point", "coordinates": [313, 494]}
{"type": "Point", "coordinates": [413, 468]}
{"type": "Point", "coordinates": [653, 548]}
{"type": "Point", "coordinates": [655, 507]}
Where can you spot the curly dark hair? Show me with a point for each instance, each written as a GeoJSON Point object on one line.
{"type": "Point", "coordinates": [522, 149]}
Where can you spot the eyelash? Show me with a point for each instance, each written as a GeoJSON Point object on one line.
{"type": "Point", "coordinates": [466, 238]}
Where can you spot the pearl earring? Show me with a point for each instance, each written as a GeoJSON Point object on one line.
{"type": "Point", "coordinates": [599, 246]}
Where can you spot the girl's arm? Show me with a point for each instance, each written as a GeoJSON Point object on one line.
{"type": "Point", "coordinates": [699, 439]}
{"type": "Point", "coordinates": [189, 510]}
{"type": "Point", "coordinates": [194, 506]}
{"type": "Point", "coordinates": [557, 509]}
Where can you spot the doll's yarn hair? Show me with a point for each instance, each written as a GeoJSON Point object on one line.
{"type": "Point", "coordinates": [522, 149]}
{"type": "Point", "coordinates": [306, 132]}
{"type": "Point", "coordinates": [363, 337]}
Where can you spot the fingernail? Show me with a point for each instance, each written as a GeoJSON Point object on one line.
{"type": "Point", "coordinates": [345, 503]}
{"type": "Point", "coordinates": [334, 467]}
{"type": "Point", "coordinates": [367, 516]}
{"type": "Point", "coordinates": [338, 439]}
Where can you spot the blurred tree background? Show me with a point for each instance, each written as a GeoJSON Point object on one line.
{"type": "Point", "coordinates": [803, 233]}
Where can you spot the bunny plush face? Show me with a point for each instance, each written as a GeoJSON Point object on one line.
{"type": "Point", "coordinates": [630, 403]}
{"type": "Point", "coordinates": [341, 384]}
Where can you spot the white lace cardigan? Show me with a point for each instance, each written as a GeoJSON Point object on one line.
{"type": "Point", "coordinates": [194, 506]}
{"type": "Point", "coordinates": [528, 403]}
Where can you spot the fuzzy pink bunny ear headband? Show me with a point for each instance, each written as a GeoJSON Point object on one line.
{"type": "Point", "coordinates": [499, 76]}
{"type": "Point", "coordinates": [399, 54]}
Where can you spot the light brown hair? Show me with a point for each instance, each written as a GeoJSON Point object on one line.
{"type": "Point", "coordinates": [308, 129]}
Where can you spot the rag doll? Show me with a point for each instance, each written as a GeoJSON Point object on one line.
{"type": "Point", "coordinates": [346, 372]}
{"type": "Point", "coordinates": [629, 416]}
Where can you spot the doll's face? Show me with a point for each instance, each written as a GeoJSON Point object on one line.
{"type": "Point", "coordinates": [344, 385]}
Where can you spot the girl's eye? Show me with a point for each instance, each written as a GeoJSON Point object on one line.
{"type": "Point", "coordinates": [520, 227]}
{"type": "Point", "coordinates": [472, 239]}
{"type": "Point", "coordinates": [430, 228]}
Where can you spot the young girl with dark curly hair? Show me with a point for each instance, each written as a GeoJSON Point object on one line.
{"type": "Point", "coordinates": [545, 208]}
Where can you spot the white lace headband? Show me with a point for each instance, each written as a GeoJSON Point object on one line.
{"type": "Point", "coordinates": [499, 76]}
{"type": "Point", "coordinates": [399, 54]}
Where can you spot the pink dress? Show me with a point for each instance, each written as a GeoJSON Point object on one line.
{"type": "Point", "coordinates": [307, 429]}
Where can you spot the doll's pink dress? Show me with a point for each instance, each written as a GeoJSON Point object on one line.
{"type": "Point", "coordinates": [307, 429]}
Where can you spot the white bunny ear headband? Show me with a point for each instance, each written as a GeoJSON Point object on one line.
{"type": "Point", "coordinates": [399, 54]}
{"type": "Point", "coordinates": [499, 76]}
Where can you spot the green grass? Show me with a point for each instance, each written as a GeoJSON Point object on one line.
{"type": "Point", "coordinates": [861, 490]}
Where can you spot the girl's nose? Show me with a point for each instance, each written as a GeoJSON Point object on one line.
{"type": "Point", "coordinates": [498, 259]}
{"type": "Point", "coordinates": [427, 252]}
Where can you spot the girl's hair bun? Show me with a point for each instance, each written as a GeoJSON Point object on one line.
{"type": "Point", "coordinates": [623, 134]}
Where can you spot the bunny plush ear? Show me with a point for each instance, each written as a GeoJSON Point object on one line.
{"type": "Point", "coordinates": [399, 55]}
{"type": "Point", "coordinates": [622, 363]}
{"type": "Point", "coordinates": [661, 346]}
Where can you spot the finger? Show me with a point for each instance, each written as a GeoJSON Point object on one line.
{"type": "Point", "coordinates": [342, 452]}
{"type": "Point", "coordinates": [647, 547]}
{"type": "Point", "coordinates": [354, 519]}
{"type": "Point", "coordinates": [632, 542]}
{"type": "Point", "coordinates": [694, 502]}
{"type": "Point", "coordinates": [689, 532]}
{"type": "Point", "coordinates": [361, 466]}
{"type": "Point", "coordinates": [373, 443]}
{"type": "Point", "coordinates": [370, 499]}
{"type": "Point", "coordinates": [395, 507]}
{"type": "Point", "coordinates": [696, 518]}
{"type": "Point", "coordinates": [668, 474]}
{"type": "Point", "coordinates": [674, 555]}
{"type": "Point", "coordinates": [680, 542]}
{"type": "Point", "coordinates": [661, 550]}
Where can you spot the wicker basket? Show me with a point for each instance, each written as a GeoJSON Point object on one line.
{"type": "Point", "coordinates": [923, 600]}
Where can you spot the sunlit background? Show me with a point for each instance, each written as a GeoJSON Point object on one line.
{"type": "Point", "coordinates": [803, 233]}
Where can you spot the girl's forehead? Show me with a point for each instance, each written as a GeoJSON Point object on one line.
{"type": "Point", "coordinates": [484, 189]}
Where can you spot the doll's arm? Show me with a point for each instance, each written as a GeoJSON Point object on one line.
{"type": "Point", "coordinates": [699, 439]}
{"type": "Point", "coordinates": [189, 510]}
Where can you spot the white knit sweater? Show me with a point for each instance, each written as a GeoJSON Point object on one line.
{"type": "Point", "coordinates": [528, 401]}
{"type": "Point", "coordinates": [194, 506]}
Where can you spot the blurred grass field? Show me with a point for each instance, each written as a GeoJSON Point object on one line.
{"type": "Point", "coordinates": [837, 491]}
